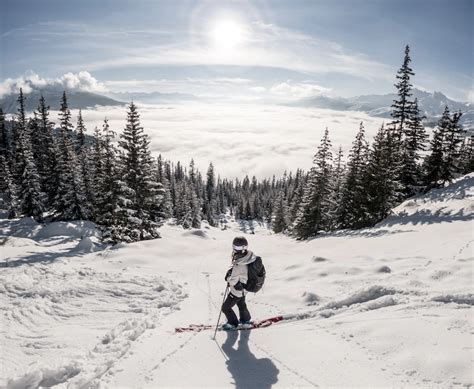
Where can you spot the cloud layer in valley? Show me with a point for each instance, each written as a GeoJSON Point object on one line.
{"type": "Point", "coordinates": [259, 140]}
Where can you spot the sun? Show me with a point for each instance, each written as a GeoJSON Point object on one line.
{"type": "Point", "coordinates": [227, 35]}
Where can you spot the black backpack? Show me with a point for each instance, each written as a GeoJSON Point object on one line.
{"type": "Point", "coordinates": [256, 276]}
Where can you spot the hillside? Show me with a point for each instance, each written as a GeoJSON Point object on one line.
{"type": "Point", "coordinates": [384, 306]}
{"type": "Point", "coordinates": [52, 94]}
{"type": "Point", "coordinates": [431, 105]}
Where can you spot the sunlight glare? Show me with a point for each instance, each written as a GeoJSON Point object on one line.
{"type": "Point", "coordinates": [227, 35]}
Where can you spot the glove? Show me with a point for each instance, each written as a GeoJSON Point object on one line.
{"type": "Point", "coordinates": [227, 275]}
{"type": "Point", "coordinates": [239, 286]}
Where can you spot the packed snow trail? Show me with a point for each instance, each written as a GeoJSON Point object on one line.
{"type": "Point", "coordinates": [386, 306]}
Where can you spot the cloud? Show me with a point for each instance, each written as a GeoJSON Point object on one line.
{"type": "Point", "coordinates": [81, 81]}
{"type": "Point", "coordinates": [240, 139]}
{"type": "Point", "coordinates": [298, 90]}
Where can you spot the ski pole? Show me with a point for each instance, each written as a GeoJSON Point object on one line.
{"type": "Point", "coordinates": [220, 312]}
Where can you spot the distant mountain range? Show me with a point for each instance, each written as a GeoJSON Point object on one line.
{"type": "Point", "coordinates": [431, 104]}
{"type": "Point", "coordinates": [52, 94]}
{"type": "Point", "coordinates": [152, 97]}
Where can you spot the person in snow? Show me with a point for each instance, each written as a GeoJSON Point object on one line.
{"type": "Point", "coordinates": [236, 278]}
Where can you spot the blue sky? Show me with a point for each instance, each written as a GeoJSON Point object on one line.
{"type": "Point", "coordinates": [246, 48]}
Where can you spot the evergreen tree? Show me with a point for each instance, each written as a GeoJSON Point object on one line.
{"type": "Point", "coordinates": [209, 207]}
{"type": "Point", "coordinates": [382, 185]}
{"type": "Point", "coordinates": [4, 141]}
{"type": "Point", "coordinates": [452, 140]}
{"type": "Point", "coordinates": [47, 157]}
{"type": "Point", "coordinates": [80, 133]}
{"type": "Point", "coordinates": [337, 187]}
{"type": "Point", "coordinates": [414, 144]}
{"type": "Point", "coordinates": [402, 108]}
{"type": "Point", "coordinates": [280, 220]}
{"type": "Point", "coordinates": [313, 214]}
{"type": "Point", "coordinates": [351, 209]}
{"type": "Point", "coordinates": [9, 190]}
{"type": "Point", "coordinates": [466, 155]}
{"type": "Point", "coordinates": [71, 201]}
{"type": "Point", "coordinates": [434, 162]}
{"type": "Point", "coordinates": [137, 167]}
{"type": "Point", "coordinates": [31, 197]}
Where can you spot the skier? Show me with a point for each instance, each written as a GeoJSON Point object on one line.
{"type": "Point", "coordinates": [236, 278]}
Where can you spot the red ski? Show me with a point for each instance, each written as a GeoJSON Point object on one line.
{"type": "Point", "coordinates": [255, 325]}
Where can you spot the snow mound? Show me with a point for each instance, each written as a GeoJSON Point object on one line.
{"type": "Point", "coordinates": [85, 245]}
{"type": "Point", "coordinates": [18, 242]}
{"type": "Point", "coordinates": [362, 296]}
{"type": "Point", "coordinates": [454, 202]}
{"type": "Point", "coordinates": [310, 298]}
{"type": "Point", "coordinates": [45, 377]}
{"type": "Point", "coordinates": [75, 229]}
{"type": "Point", "coordinates": [455, 298]}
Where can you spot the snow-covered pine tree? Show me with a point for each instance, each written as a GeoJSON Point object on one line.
{"type": "Point", "coordinates": [466, 155]}
{"type": "Point", "coordinates": [83, 152]}
{"type": "Point", "coordinates": [183, 205]}
{"type": "Point", "coordinates": [434, 162]}
{"type": "Point", "coordinates": [295, 203]}
{"type": "Point", "coordinates": [166, 207]}
{"type": "Point", "coordinates": [402, 108]}
{"type": "Point", "coordinates": [4, 141]}
{"type": "Point", "coordinates": [80, 133]}
{"type": "Point", "coordinates": [96, 164]}
{"type": "Point", "coordinates": [382, 185]}
{"type": "Point", "coordinates": [280, 220]}
{"type": "Point", "coordinates": [47, 157]}
{"type": "Point", "coordinates": [113, 211]}
{"type": "Point", "coordinates": [414, 144]}
{"type": "Point", "coordinates": [452, 141]}
{"type": "Point", "coordinates": [351, 209]}
{"type": "Point", "coordinates": [5, 151]}
{"type": "Point", "coordinates": [338, 179]}
{"type": "Point", "coordinates": [209, 206]}
{"type": "Point", "coordinates": [314, 212]}
{"type": "Point", "coordinates": [71, 201]}
{"type": "Point", "coordinates": [9, 189]}
{"type": "Point", "coordinates": [137, 172]}
{"type": "Point", "coordinates": [31, 197]}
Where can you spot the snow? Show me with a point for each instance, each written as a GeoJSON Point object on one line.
{"type": "Point", "coordinates": [388, 306]}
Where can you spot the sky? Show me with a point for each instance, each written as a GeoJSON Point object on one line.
{"type": "Point", "coordinates": [244, 50]}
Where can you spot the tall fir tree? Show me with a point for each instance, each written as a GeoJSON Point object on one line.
{"type": "Point", "coordinates": [414, 144]}
{"type": "Point", "coordinates": [280, 220]}
{"type": "Point", "coordinates": [383, 187]}
{"type": "Point", "coordinates": [47, 158]}
{"type": "Point", "coordinates": [31, 197]}
{"type": "Point", "coordinates": [452, 140]}
{"type": "Point", "coordinates": [71, 200]}
{"type": "Point", "coordinates": [434, 161]}
{"type": "Point", "coordinates": [9, 189]}
{"type": "Point", "coordinates": [137, 168]}
{"type": "Point", "coordinates": [402, 108]}
{"type": "Point", "coordinates": [352, 213]}
{"type": "Point", "coordinates": [209, 207]}
{"type": "Point", "coordinates": [314, 212]}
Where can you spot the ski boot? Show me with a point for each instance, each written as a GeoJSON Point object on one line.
{"type": "Point", "coordinates": [228, 327]}
{"type": "Point", "coordinates": [245, 325]}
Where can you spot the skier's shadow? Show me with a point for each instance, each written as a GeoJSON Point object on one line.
{"type": "Point", "coordinates": [246, 369]}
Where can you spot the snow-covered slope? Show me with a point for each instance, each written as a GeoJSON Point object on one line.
{"type": "Point", "coordinates": [386, 306]}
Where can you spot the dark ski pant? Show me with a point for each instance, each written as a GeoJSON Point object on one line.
{"type": "Point", "coordinates": [229, 302]}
